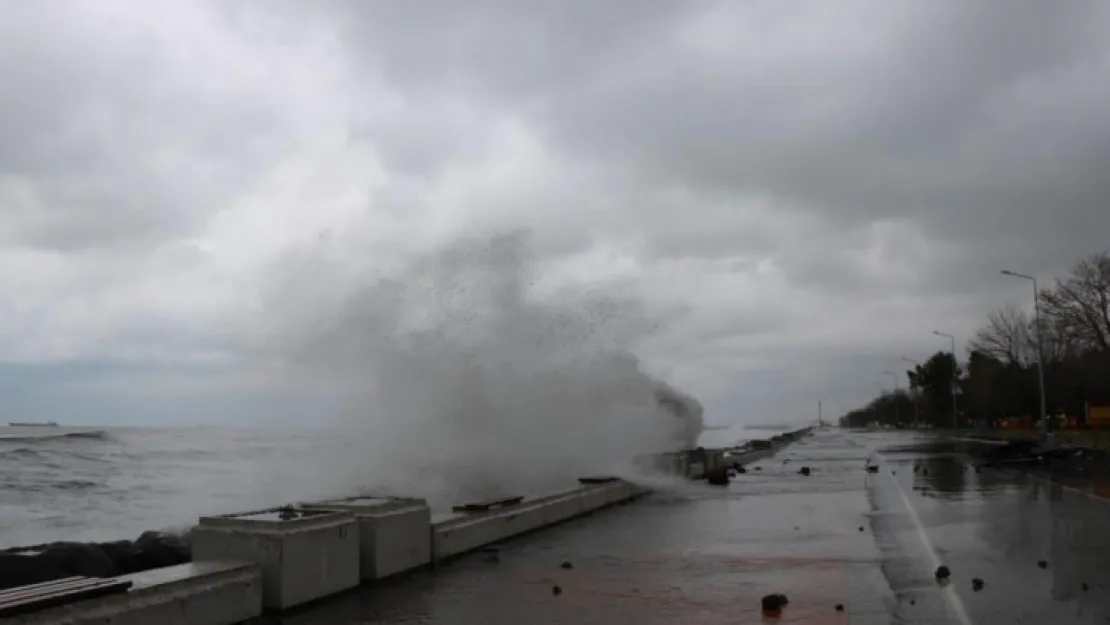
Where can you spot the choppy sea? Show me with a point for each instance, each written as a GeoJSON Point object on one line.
{"type": "Point", "coordinates": [93, 484]}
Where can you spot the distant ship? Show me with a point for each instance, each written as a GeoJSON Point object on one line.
{"type": "Point", "coordinates": [45, 424]}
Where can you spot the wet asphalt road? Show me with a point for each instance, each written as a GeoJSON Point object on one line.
{"type": "Point", "coordinates": [695, 554]}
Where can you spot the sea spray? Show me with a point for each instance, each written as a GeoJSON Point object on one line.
{"type": "Point", "coordinates": [455, 376]}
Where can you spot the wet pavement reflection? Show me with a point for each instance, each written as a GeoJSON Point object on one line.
{"type": "Point", "coordinates": [842, 535]}
{"type": "Point", "coordinates": [1038, 542]}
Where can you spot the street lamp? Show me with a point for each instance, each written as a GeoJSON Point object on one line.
{"type": "Point", "coordinates": [952, 384]}
{"type": "Point", "coordinates": [916, 402]}
{"type": "Point", "coordinates": [1040, 345]}
{"type": "Point", "coordinates": [897, 421]}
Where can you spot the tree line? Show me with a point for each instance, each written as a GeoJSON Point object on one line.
{"type": "Point", "coordinates": [999, 379]}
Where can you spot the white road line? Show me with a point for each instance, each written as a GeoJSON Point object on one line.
{"type": "Point", "coordinates": [985, 441]}
{"type": "Point", "coordinates": [954, 601]}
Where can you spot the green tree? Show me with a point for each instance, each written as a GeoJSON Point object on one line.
{"type": "Point", "coordinates": [1072, 339]}
{"type": "Point", "coordinates": [936, 378]}
{"type": "Point", "coordinates": [994, 389]}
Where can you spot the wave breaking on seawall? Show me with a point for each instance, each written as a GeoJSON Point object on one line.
{"type": "Point", "coordinates": [466, 371]}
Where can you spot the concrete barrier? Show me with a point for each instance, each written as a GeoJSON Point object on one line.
{"type": "Point", "coordinates": [272, 560]}
{"type": "Point", "coordinates": [456, 534]}
{"type": "Point", "coordinates": [198, 593]}
{"type": "Point", "coordinates": [393, 533]}
{"type": "Point", "coordinates": [304, 555]}
{"type": "Point", "coordinates": [701, 463]}
{"type": "Point", "coordinates": [748, 457]}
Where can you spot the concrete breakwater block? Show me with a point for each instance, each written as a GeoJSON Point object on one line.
{"type": "Point", "coordinates": [304, 554]}
{"type": "Point", "coordinates": [196, 593]}
{"type": "Point", "coordinates": [394, 534]}
{"type": "Point", "coordinates": [460, 533]}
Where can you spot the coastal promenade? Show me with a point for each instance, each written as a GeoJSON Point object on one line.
{"type": "Point", "coordinates": [870, 542]}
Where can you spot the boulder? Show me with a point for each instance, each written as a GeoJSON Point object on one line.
{"type": "Point", "coordinates": [22, 570]}
{"type": "Point", "coordinates": [43, 563]}
{"type": "Point", "coordinates": [161, 549]}
{"type": "Point", "coordinates": [124, 555]}
{"type": "Point", "coordinates": [85, 559]}
{"type": "Point", "coordinates": [774, 603]}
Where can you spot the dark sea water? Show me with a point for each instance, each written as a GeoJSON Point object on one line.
{"type": "Point", "coordinates": [113, 483]}
{"type": "Point", "coordinates": [93, 484]}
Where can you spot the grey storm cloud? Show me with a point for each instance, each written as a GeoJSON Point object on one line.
{"type": "Point", "coordinates": [982, 121]}
{"type": "Point", "coordinates": [832, 178]}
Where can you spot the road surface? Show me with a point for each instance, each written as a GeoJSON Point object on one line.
{"type": "Point", "coordinates": [871, 542]}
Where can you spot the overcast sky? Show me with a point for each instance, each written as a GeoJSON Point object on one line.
{"type": "Point", "coordinates": [805, 191]}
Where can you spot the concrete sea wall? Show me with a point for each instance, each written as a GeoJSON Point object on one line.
{"type": "Point", "coordinates": [245, 564]}
{"type": "Point", "coordinates": [714, 463]}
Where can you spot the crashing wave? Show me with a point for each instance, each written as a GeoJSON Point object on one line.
{"type": "Point", "coordinates": [687, 412]}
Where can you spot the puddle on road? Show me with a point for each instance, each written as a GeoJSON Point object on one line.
{"type": "Point", "coordinates": [995, 524]}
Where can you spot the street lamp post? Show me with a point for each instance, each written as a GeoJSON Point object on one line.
{"type": "Point", "coordinates": [1040, 346]}
{"type": "Point", "coordinates": [916, 403]}
{"type": "Point", "coordinates": [895, 376]}
{"type": "Point", "coordinates": [952, 383]}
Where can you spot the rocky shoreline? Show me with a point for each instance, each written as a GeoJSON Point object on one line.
{"type": "Point", "coordinates": [35, 564]}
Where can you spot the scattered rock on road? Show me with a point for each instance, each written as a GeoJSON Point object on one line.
{"type": "Point", "coordinates": [774, 603]}
{"type": "Point", "coordinates": [567, 565]}
{"type": "Point", "coordinates": [491, 554]}
{"type": "Point", "coordinates": [803, 471]}
{"type": "Point", "coordinates": [1042, 564]}
{"type": "Point", "coordinates": [977, 584]}
{"type": "Point", "coordinates": [555, 590]}
{"type": "Point", "coordinates": [840, 607]}
{"type": "Point", "coordinates": [942, 573]}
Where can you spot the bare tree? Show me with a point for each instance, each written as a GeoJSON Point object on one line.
{"type": "Point", "coordinates": [1078, 305]}
{"type": "Point", "coordinates": [1058, 346]}
{"type": "Point", "coordinates": [1008, 336]}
